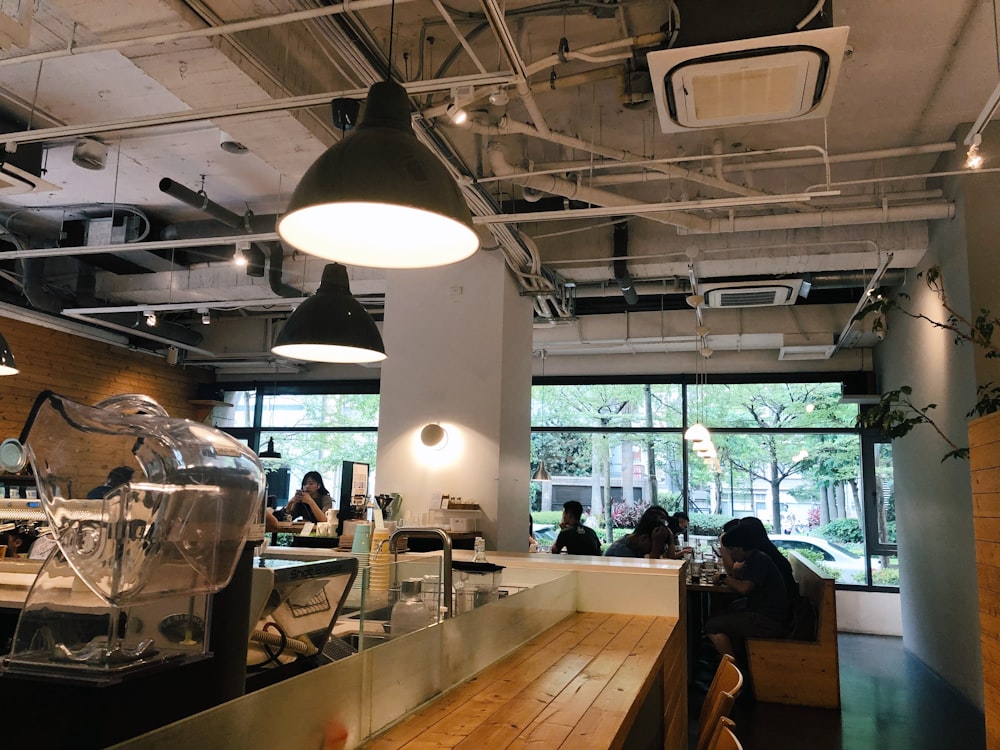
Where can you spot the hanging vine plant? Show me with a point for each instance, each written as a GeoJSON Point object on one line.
{"type": "Point", "coordinates": [896, 413]}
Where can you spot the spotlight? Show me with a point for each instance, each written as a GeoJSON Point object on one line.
{"type": "Point", "coordinates": [456, 115]}
{"type": "Point", "coordinates": [973, 159]}
{"type": "Point", "coordinates": [206, 317]}
{"type": "Point", "coordinates": [150, 318]}
{"type": "Point", "coordinates": [499, 97]}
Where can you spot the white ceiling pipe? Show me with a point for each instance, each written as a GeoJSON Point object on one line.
{"type": "Point", "coordinates": [587, 53]}
{"type": "Point", "coordinates": [221, 29]}
{"type": "Point", "coordinates": [557, 186]}
{"type": "Point", "coordinates": [513, 127]}
{"type": "Point", "coordinates": [918, 212]}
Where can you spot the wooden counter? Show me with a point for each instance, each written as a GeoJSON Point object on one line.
{"type": "Point", "coordinates": [583, 683]}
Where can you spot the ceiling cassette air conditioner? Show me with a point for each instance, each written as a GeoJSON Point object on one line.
{"type": "Point", "coordinates": [750, 293]}
{"type": "Point", "coordinates": [766, 79]}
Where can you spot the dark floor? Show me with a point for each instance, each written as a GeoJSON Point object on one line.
{"type": "Point", "coordinates": [890, 701]}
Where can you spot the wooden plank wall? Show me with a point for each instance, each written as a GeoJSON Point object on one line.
{"type": "Point", "coordinates": [87, 371]}
{"type": "Point", "coordinates": [984, 460]}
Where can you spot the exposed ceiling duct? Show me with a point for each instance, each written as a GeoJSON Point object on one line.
{"type": "Point", "coordinates": [621, 265]}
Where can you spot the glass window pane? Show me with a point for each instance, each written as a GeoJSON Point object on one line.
{"type": "Point", "coordinates": [321, 410]}
{"type": "Point", "coordinates": [243, 405]}
{"type": "Point", "coordinates": [322, 452]}
{"type": "Point", "coordinates": [770, 405]}
{"type": "Point", "coordinates": [589, 467]}
{"type": "Point", "coordinates": [803, 487]}
{"type": "Point", "coordinates": [606, 405]}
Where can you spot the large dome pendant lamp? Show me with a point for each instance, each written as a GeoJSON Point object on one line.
{"type": "Point", "coordinates": [379, 197]}
{"type": "Point", "coordinates": [331, 326]}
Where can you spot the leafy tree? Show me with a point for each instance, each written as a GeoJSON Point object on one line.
{"type": "Point", "coordinates": [897, 414]}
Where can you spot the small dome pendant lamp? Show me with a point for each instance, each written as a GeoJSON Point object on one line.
{"type": "Point", "coordinates": [331, 326]}
{"type": "Point", "coordinates": [379, 197]}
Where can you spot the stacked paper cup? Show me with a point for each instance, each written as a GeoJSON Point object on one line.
{"type": "Point", "coordinates": [361, 549]}
{"type": "Point", "coordinates": [380, 560]}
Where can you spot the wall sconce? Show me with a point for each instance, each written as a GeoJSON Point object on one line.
{"type": "Point", "coordinates": [434, 436]}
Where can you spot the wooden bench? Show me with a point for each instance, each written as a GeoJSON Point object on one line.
{"type": "Point", "coordinates": [802, 671]}
{"type": "Point", "coordinates": [593, 681]}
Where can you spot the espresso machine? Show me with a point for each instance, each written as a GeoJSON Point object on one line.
{"type": "Point", "coordinates": [142, 609]}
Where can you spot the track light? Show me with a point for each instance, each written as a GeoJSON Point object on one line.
{"type": "Point", "coordinates": [457, 115]}
{"type": "Point", "coordinates": [973, 159]}
{"type": "Point", "coordinates": [499, 97]}
{"type": "Point", "coordinates": [150, 318]}
{"type": "Point", "coordinates": [206, 318]}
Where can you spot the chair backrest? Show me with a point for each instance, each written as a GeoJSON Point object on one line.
{"type": "Point", "coordinates": [720, 708]}
{"type": "Point", "coordinates": [728, 678]}
{"type": "Point", "coordinates": [723, 737]}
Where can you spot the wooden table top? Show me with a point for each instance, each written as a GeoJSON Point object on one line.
{"type": "Point", "coordinates": [578, 684]}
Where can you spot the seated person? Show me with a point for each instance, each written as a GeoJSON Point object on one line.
{"type": "Point", "coordinates": [762, 611]}
{"type": "Point", "coordinates": [19, 540]}
{"type": "Point", "coordinates": [575, 538]}
{"type": "Point", "coordinates": [311, 502]}
{"type": "Point", "coordinates": [765, 545]}
{"type": "Point", "coordinates": [116, 477]}
{"type": "Point", "coordinates": [678, 523]}
{"type": "Point", "coordinates": [651, 538]}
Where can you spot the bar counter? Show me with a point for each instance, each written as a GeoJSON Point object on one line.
{"type": "Point", "coordinates": [591, 649]}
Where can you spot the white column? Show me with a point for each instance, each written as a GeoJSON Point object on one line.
{"type": "Point", "coordinates": [458, 340]}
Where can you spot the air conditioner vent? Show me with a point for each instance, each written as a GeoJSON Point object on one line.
{"type": "Point", "coordinates": [773, 78]}
{"type": "Point", "coordinates": [751, 293]}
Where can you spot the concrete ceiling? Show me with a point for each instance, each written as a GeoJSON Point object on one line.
{"type": "Point", "coordinates": [164, 83]}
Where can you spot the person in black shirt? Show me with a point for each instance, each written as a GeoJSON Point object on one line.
{"type": "Point", "coordinates": [116, 478]}
{"type": "Point", "coordinates": [575, 538]}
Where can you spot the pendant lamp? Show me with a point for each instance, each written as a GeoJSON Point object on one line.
{"type": "Point", "coordinates": [697, 432]}
{"type": "Point", "coordinates": [7, 365]}
{"type": "Point", "coordinates": [331, 326]}
{"type": "Point", "coordinates": [541, 475]}
{"type": "Point", "coordinates": [379, 197]}
{"type": "Point", "coordinates": [269, 452]}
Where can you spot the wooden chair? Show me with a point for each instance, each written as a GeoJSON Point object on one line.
{"type": "Point", "coordinates": [723, 737]}
{"type": "Point", "coordinates": [722, 694]}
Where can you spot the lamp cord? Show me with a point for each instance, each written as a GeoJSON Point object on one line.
{"type": "Point", "coordinates": [392, 25]}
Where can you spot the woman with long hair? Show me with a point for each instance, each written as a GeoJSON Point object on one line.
{"type": "Point", "coordinates": [311, 502]}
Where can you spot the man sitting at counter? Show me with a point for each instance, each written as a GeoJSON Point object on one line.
{"type": "Point", "coordinates": [575, 538]}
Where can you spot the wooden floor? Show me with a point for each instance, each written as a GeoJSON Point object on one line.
{"type": "Point", "coordinates": [891, 701]}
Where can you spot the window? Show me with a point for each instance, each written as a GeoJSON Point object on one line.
{"type": "Point", "coordinates": [788, 453]}
{"type": "Point", "coordinates": [312, 431]}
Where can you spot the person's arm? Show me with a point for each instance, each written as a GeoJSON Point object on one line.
{"type": "Point", "coordinates": [319, 515]}
{"type": "Point", "coordinates": [741, 587]}
{"type": "Point", "coordinates": [660, 540]}
{"type": "Point", "coordinates": [557, 545]}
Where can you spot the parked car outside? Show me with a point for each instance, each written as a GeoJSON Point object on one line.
{"type": "Point", "coordinates": [545, 533]}
{"type": "Point", "coordinates": [832, 555]}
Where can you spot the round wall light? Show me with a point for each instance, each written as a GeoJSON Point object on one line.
{"type": "Point", "coordinates": [434, 436]}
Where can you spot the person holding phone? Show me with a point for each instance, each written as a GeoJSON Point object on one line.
{"type": "Point", "coordinates": [311, 502]}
